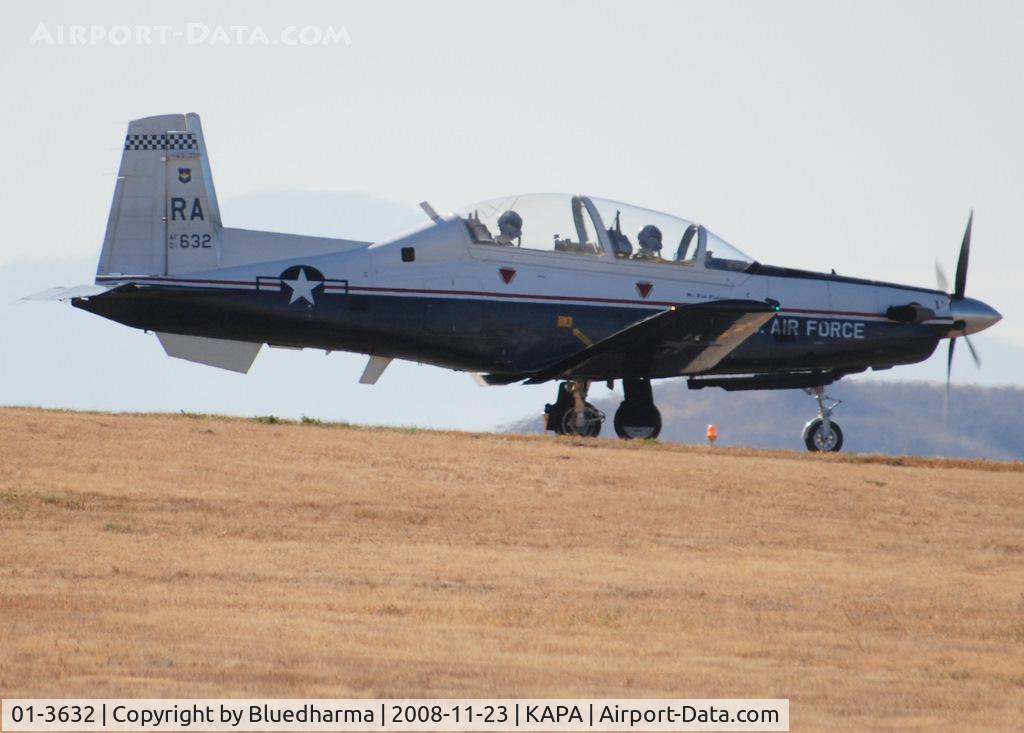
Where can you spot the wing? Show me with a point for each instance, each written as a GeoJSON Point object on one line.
{"type": "Point", "coordinates": [686, 339]}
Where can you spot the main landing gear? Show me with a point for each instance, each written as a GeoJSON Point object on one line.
{"type": "Point", "coordinates": [571, 414]}
{"type": "Point", "coordinates": [637, 417]}
{"type": "Point", "coordinates": [822, 434]}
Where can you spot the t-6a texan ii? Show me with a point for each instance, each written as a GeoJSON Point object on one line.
{"type": "Point", "coordinates": [532, 288]}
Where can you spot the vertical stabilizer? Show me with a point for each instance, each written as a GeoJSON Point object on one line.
{"type": "Point", "coordinates": [164, 219]}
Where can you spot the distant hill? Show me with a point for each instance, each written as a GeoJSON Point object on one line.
{"type": "Point", "coordinates": [876, 417]}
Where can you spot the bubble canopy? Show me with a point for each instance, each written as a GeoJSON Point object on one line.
{"type": "Point", "coordinates": [596, 227]}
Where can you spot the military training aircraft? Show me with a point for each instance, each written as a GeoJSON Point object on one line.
{"type": "Point", "coordinates": [530, 288]}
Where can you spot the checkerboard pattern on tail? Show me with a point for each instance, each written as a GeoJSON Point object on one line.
{"type": "Point", "coordinates": [161, 141]}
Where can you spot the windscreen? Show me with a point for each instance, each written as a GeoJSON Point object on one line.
{"type": "Point", "coordinates": [654, 236]}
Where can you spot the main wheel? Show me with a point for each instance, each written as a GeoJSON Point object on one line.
{"type": "Point", "coordinates": [818, 441]}
{"type": "Point", "coordinates": [591, 426]}
{"type": "Point", "coordinates": [636, 419]}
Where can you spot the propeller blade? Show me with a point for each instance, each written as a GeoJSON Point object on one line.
{"type": "Point", "coordinates": [974, 354]}
{"type": "Point", "coordinates": [949, 372]}
{"type": "Point", "coordinates": [961, 263]}
{"type": "Point", "coordinates": [959, 287]}
{"type": "Point", "coordinates": [949, 361]}
{"type": "Point", "coordinates": [940, 278]}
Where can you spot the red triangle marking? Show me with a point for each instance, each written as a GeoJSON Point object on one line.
{"type": "Point", "coordinates": [644, 289]}
{"type": "Point", "coordinates": [507, 274]}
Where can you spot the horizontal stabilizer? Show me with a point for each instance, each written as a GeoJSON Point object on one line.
{"type": "Point", "coordinates": [78, 291]}
{"type": "Point", "coordinates": [236, 356]}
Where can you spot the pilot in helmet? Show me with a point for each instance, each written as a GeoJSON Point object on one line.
{"type": "Point", "coordinates": [649, 240]}
{"type": "Point", "coordinates": [510, 229]}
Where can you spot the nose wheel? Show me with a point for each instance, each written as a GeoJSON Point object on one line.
{"type": "Point", "coordinates": [823, 434]}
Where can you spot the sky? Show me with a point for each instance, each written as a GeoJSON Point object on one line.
{"type": "Point", "coordinates": [846, 135]}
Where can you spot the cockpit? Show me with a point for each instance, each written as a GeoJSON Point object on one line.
{"type": "Point", "coordinates": [594, 227]}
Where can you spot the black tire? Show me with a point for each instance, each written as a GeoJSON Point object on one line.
{"type": "Point", "coordinates": [591, 428]}
{"type": "Point", "coordinates": [816, 443]}
{"type": "Point", "coordinates": [554, 413]}
{"type": "Point", "coordinates": [635, 419]}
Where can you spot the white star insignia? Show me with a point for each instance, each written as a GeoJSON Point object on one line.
{"type": "Point", "coordinates": [302, 289]}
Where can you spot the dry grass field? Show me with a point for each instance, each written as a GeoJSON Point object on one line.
{"type": "Point", "coordinates": [160, 556]}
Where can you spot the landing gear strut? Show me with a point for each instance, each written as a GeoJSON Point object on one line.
{"type": "Point", "coordinates": [822, 434]}
{"type": "Point", "coordinates": [637, 417]}
{"type": "Point", "coordinates": [571, 414]}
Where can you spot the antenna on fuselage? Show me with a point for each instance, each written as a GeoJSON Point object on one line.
{"type": "Point", "coordinates": [429, 210]}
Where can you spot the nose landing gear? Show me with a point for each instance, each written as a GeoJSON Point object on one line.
{"type": "Point", "coordinates": [821, 434]}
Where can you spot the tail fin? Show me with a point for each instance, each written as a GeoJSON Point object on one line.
{"type": "Point", "coordinates": [164, 218]}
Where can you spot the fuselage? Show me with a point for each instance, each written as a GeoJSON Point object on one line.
{"type": "Point", "coordinates": [437, 296]}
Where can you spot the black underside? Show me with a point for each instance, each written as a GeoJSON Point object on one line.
{"type": "Point", "coordinates": [508, 340]}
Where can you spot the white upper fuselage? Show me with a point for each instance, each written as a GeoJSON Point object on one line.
{"type": "Point", "coordinates": [449, 264]}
